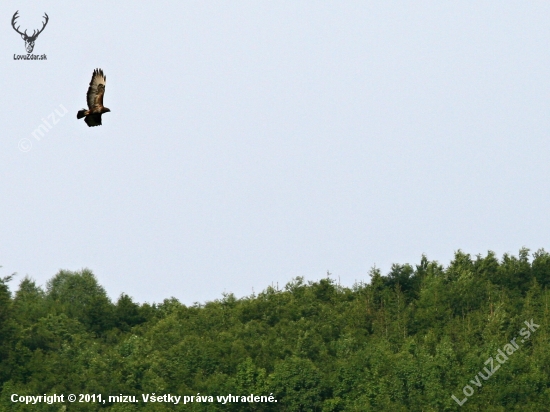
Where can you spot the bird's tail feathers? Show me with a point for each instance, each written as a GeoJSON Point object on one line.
{"type": "Point", "coordinates": [81, 113]}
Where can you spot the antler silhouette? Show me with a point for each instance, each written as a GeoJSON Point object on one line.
{"type": "Point", "coordinates": [15, 16]}
{"type": "Point", "coordinates": [34, 33]}
{"type": "Point", "coordinates": [43, 26]}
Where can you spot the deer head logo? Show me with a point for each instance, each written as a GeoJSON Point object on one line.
{"type": "Point", "coordinates": [29, 40]}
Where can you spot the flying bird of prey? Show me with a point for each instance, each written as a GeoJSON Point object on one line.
{"type": "Point", "coordinates": [94, 98]}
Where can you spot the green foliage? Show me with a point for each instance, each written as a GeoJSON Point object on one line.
{"type": "Point", "coordinates": [7, 326]}
{"type": "Point", "coordinates": [298, 381]}
{"type": "Point", "coordinates": [404, 342]}
{"type": "Point", "coordinates": [82, 298]}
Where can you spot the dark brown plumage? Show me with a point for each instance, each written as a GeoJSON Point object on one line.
{"type": "Point", "coordinates": [94, 98]}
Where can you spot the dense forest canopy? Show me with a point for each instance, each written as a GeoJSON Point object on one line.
{"type": "Point", "coordinates": [471, 336]}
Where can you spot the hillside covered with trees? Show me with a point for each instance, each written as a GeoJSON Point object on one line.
{"type": "Point", "coordinates": [407, 341]}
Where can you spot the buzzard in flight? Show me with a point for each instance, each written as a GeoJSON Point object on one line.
{"type": "Point", "coordinates": [94, 98]}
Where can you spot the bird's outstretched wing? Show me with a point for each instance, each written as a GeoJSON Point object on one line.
{"type": "Point", "coordinates": [94, 97]}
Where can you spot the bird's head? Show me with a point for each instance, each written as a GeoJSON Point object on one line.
{"type": "Point", "coordinates": [105, 110]}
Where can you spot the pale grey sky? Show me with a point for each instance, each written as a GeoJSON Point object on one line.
{"type": "Point", "coordinates": [252, 142]}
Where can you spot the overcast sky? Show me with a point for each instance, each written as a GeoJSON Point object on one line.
{"type": "Point", "coordinates": [250, 142]}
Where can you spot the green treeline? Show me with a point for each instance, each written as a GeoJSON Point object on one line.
{"type": "Point", "coordinates": [407, 341]}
